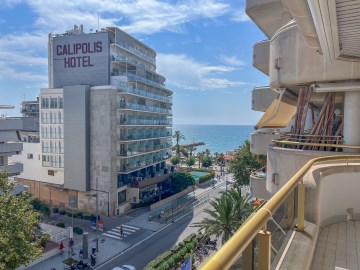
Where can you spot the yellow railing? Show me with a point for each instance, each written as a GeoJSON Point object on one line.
{"type": "Point", "coordinates": [256, 225]}
{"type": "Point", "coordinates": [281, 143]}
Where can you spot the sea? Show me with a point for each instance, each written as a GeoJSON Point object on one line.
{"type": "Point", "coordinates": [217, 138]}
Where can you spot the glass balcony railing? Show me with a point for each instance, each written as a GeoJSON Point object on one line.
{"type": "Point", "coordinates": [141, 150]}
{"type": "Point", "coordinates": [145, 122]}
{"type": "Point", "coordinates": [143, 136]}
{"type": "Point", "coordinates": [135, 77]}
{"type": "Point", "coordinates": [145, 108]}
{"type": "Point", "coordinates": [143, 93]}
{"type": "Point", "coordinates": [134, 164]}
{"type": "Point", "coordinates": [135, 51]}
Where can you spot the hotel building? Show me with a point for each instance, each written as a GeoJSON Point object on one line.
{"type": "Point", "coordinates": [105, 123]}
{"type": "Point", "coordinates": [310, 132]}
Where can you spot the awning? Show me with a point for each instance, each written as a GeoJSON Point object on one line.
{"type": "Point", "coordinates": [279, 114]}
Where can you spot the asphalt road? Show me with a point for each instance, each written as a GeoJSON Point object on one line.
{"type": "Point", "coordinates": [141, 254]}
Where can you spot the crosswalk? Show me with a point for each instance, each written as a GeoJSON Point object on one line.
{"type": "Point", "coordinates": [115, 232]}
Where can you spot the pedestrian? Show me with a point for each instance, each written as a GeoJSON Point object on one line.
{"type": "Point", "coordinates": [71, 244]}
{"type": "Point", "coordinates": [121, 231]}
{"type": "Point", "coordinates": [61, 247]}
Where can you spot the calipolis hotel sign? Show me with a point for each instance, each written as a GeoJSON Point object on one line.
{"type": "Point", "coordinates": [80, 59]}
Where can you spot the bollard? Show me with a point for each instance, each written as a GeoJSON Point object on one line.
{"type": "Point", "coordinates": [85, 247]}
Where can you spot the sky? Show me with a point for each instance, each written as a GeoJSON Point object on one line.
{"type": "Point", "coordinates": [204, 49]}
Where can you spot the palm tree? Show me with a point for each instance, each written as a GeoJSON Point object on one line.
{"type": "Point", "coordinates": [222, 222]}
{"type": "Point", "coordinates": [200, 156]}
{"type": "Point", "coordinates": [191, 150]}
{"type": "Point", "coordinates": [228, 213]}
{"type": "Point", "coordinates": [178, 137]}
{"type": "Point", "coordinates": [220, 159]}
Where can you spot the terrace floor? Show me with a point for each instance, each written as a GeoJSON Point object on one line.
{"type": "Point", "coordinates": [338, 247]}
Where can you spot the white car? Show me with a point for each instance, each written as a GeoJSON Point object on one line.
{"type": "Point", "coordinates": [124, 267]}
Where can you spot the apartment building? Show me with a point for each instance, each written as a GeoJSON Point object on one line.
{"type": "Point", "coordinates": [310, 133]}
{"type": "Point", "coordinates": [105, 122]}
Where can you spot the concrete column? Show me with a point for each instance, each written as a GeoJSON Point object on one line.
{"type": "Point", "coordinates": [264, 250]}
{"type": "Point", "coordinates": [85, 245]}
{"type": "Point", "coordinates": [351, 119]}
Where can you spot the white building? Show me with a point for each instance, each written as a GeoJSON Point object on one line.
{"type": "Point", "coordinates": [105, 122]}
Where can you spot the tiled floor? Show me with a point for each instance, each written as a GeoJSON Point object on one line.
{"type": "Point", "coordinates": [338, 247]}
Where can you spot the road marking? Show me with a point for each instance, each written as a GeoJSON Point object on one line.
{"type": "Point", "coordinates": [113, 236]}
{"type": "Point", "coordinates": [130, 227]}
{"type": "Point", "coordinates": [115, 232]}
{"type": "Point", "coordinates": [125, 229]}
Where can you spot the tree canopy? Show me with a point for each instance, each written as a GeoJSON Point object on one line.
{"type": "Point", "coordinates": [178, 137]}
{"type": "Point", "coordinates": [18, 222]}
{"type": "Point", "coordinates": [226, 214]}
{"type": "Point", "coordinates": [181, 180]}
{"type": "Point", "coordinates": [243, 164]}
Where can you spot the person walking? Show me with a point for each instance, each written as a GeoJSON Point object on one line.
{"type": "Point", "coordinates": [61, 247]}
{"type": "Point", "coordinates": [121, 231]}
{"type": "Point", "coordinates": [71, 244]}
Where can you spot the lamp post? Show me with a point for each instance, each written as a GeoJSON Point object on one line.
{"type": "Point", "coordinates": [108, 199]}
{"type": "Point", "coordinates": [72, 212]}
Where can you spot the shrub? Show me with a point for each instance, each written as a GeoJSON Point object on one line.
{"type": "Point", "coordinates": [206, 177]}
{"type": "Point", "coordinates": [71, 214]}
{"type": "Point", "coordinates": [79, 215]}
{"type": "Point", "coordinates": [55, 210]}
{"type": "Point", "coordinates": [60, 224]}
{"type": "Point", "coordinates": [62, 212]}
{"type": "Point", "coordinates": [44, 239]}
{"type": "Point", "coordinates": [78, 230]}
{"type": "Point", "coordinates": [189, 238]}
{"type": "Point", "coordinates": [40, 206]}
{"type": "Point", "coordinates": [87, 217]}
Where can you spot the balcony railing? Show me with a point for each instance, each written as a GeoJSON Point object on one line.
{"type": "Point", "coordinates": [130, 137]}
{"type": "Point", "coordinates": [145, 108]}
{"type": "Point", "coordinates": [241, 243]}
{"type": "Point", "coordinates": [135, 77]}
{"type": "Point", "coordinates": [311, 142]}
{"type": "Point", "coordinates": [142, 164]}
{"type": "Point", "coordinates": [142, 150]}
{"type": "Point", "coordinates": [137, 52]}
{"type": "Point", "coordinates": [144, 93]}
{"type": "Point", "coordinates": [150, 122]}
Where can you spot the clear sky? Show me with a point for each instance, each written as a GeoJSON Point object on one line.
{"type": "Point", "coordinates": [204, 49]}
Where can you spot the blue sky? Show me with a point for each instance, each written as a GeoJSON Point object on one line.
{"type": "Point", "coordinates": [204, 49]}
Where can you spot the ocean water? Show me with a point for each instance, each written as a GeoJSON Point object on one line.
{"type": "Point", "coordinates": [217, 138]}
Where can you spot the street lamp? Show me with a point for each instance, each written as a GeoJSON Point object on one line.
{"type": "Point", "coordinates": [72, 202]}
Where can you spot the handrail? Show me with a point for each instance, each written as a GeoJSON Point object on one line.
{"type": "Point", "coordinates": [318, 144]}
{"type": "Point", "coordinates": [234, 247]}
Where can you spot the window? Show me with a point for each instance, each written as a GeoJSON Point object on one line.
{"type": "Point", "coordinates": [121, 197]}
{"type": "Point", "coordinates": [44, 103]}
{"type": "Point", "coordinates": [30, 156]}
{"type": "Point", "coordinates": [1, 160]}
{"type": "Point", "coordinates": [61, 103]}
{"type": "Point", "coordinates": [53, 103]}
{"type": "Point", "coordinates": [51, 172]}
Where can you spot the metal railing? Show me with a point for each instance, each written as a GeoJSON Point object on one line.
{"type": "Point", "coordinates": [310, 142]}
{"type": "Point", "coordinates": [145, 108]}
{"type": "Point", "coordinates": [241, 242]}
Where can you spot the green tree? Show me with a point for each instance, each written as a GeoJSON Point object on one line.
{"type": "Point", "coordinates": [190, 161]}
{"type": "Point", "coordinates": [226, 215]}
{"type": "Point", "coordinates": [18, 223]}
{"type": "Point", "coordinates": [175, 160]}
{"type": "Point", "coordinates": [178, 137]}
{"type": "Point", "coordinates": [191, 150]}
{"type": "Point", "coordinates": [207, 161]}
{"type": "Point", "coordinates": [200, 157]}
{"type": "Point", "coordinates": [180, 181]}
{"type": "Point", "coordinates": [243, 164]}
{"type": "Point", "coordinates": [220, 160]}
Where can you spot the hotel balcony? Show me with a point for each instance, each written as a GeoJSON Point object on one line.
{"type": "Point", "coordinates": [145, 122]}
{"type": "Point", "coordinates": [310, 223]}
{"type": "Point", "coordinates": [141, 136]}
{"type": "Point", "coordinates": [144, 149]}
{"type": "Point", "coordinates": [145, 108]}
{"type": "Point", "coordinates": [261, 56]}
{"type": "Point", "coordinates": [138, 53]}
{"type": "Point", "coordinates": [258, 184]}
{"type": "Point", "coordinates": [135, 164]}
{"type": "Point", "coordinates": [124, 88]}
{"type": "Point", "coordinates": [260, 141]}
{"type": "Point", "coordinates": [13, 168]}
{"type": "Point", "coordinates": [149, 181]}
{"type": "Point", "coordinates": [149, 81]}
{"type": "Point", "coordinates": [262, 97]}
{"type": "Point", "coordinates": [11, 148]}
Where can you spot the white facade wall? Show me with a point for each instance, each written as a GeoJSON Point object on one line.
{"type": "Point", "coordinates": [31, 157]}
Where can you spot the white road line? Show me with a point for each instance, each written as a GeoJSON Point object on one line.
{"type": "Point", "coordinates": [113, 236]}
{"type": "Point", "coordinates": [131, 227]}
{"type": "Point", "coordinates": [124, 229]}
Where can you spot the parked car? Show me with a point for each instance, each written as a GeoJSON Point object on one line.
{"type": "Point", "coordinates": [124, 267]}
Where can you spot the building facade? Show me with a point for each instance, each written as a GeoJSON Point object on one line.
{"type": "Point", "coordinates": [105, 120]}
